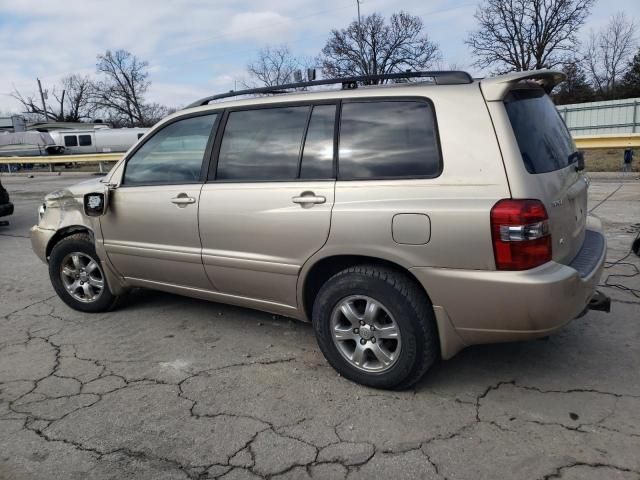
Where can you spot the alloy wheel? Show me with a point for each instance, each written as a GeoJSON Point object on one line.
{"type": "Point", "coordinates": [365, 333]}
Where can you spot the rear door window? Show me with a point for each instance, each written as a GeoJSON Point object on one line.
{"type": "Point", "coordinates": [388, 139]}
{"type": "Point", "coordinates": [70, 141]}
{"type": "Point", "coordinates": [317, 155]}
{"type": "Point", "coordinates": [262, 144]}
{"type": "Point", "coordinates": [85, 140]}
{"type": "Point", "coordinates": [543, 138]}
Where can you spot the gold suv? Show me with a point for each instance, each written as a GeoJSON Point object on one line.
{"type": "Point", "coordinates": [405, 220]}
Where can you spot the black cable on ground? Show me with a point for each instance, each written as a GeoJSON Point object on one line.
{"type": "Point", "coordinates": [606, 198]}
{"type": "Point", "coordinates": [636, 271]}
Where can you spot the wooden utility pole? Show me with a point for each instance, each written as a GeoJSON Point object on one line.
{"type": "Point", "coordinates": [358, 2]}
{"type": "Point", "coordinates": [44, 105]}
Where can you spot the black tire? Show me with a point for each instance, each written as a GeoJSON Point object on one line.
{"type": "Point", "coordinates": [404, 300]}
{"type": "Point", "coordinates": [81, 243]}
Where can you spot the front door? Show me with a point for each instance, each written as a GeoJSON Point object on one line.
{"type": "Point", "coordinates": [150, 230]}
{"type": "Point", "coordinates": [267, 207]}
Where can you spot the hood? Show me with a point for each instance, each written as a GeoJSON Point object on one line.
{"type": "Point", "coordinates": [77, 190]}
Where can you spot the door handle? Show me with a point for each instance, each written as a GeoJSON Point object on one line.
{"type": "Point", "coordinates": [308, 198]}
{"type": "Point", "coordinates": [182, 200]}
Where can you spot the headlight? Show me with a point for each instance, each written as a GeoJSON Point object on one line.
{"type": "Point", "coordinates": [41, 210]}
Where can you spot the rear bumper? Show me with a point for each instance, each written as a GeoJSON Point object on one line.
{"type": "Point", "coordinates": [496, 306]}
{"type": "Point", "coordinates": [6, 209]}
{"type": "Point", "coordinates": [39, 240]}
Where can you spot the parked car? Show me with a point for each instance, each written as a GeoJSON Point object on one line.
{"type": "Point", "coordinates": [405, 221]}
{"type": "Point", "coordinates": [6, 207]}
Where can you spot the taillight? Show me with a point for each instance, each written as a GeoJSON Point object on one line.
{"type": "Point", "coordinates": [520, 234]}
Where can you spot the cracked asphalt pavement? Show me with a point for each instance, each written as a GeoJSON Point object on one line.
{"type": "Point", "coordinates": [167, 387]}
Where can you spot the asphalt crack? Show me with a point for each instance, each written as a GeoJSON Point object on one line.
{"type": "Point", "coordinates": [557, 473]}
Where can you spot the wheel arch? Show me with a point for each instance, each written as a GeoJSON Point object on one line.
{"type": "Point", "coordinates": [116, 284]}
{"type": "Point", "coordinates": [65, 232]}
{"type": "Point", "coordinates": [315, 274]}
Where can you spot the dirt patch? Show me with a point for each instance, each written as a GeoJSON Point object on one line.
{"type": "Point", "coordinates": [608, 160]}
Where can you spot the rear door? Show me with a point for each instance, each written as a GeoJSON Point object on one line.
{"type": "Point", "coordinates": [548, 154]}
{"type": "Point", "coordinates": [267, 206]}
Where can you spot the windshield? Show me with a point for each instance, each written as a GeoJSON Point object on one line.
{"type": "Point", "coordinates": [544, 140]}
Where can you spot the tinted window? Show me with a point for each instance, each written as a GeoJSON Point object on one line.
{"type": "Point", "coordinates": [85, 140]}
{"type": "Point", "coordinates": [173, 155]}
{"type": "Point", "coordinates": [388, 140]}
{"type": "Point", "coordinates": [543, 138]}
{"type": "Point", "coordinates": [70, 141]}
{"type": "Point", "coordinates": [317, 156]}
{"type": "Point", "coordinates": [262, 144]}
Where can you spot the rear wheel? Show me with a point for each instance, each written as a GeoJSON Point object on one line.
{"type": "Point", "coordinates": [77, 275]}
{"type": "Point", "coordinates": [375, 326]}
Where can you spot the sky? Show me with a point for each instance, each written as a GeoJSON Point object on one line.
{"type": "Point", "coordinates": [197, 48]}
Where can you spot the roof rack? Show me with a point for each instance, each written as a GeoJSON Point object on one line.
{"type": "Point", "coordinates": [440, 77]}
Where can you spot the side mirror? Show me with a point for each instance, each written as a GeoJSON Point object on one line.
{"type": "Point", "coordinates": [95, 203]}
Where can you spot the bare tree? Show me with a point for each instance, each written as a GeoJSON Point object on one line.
{"type": "Point", "coordinates": [576, 88]}
{"type": "Point", "coordinates": [154, 112]}
{"type": "Point", "coordinates": [32, 106]}
{"type": "Point", "coordinates": [631, 80]}
{"type": "Point", "coordinates": [372, 47]}
{"type": "Point", "coordinates": [77, 97]}
{"type": "Point", "coordinates": [122, 90]}
{"type": "Point", "coordinates": [609, 52]}
{"type": "Point", "coordinates": [526, 34]}
{"type": "Point", "coordinates": [275, 65]}
{"type": "Point", "coordinates": [117, 96]}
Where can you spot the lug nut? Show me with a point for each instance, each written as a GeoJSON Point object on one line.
{"type": "Point", "coordinates": [362, 322]}
{"type": "Point", "coordinates": [356, 330]}
{"type": "Point", "coordinates": [362, 341]}
{"type": "Point", "coordinates": [81, 283]}
{"type": "Point", "coordinates": [373, 339]}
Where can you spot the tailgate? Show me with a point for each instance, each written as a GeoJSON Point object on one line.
{"type": "Point", "coordinates": [548, 153]}
{"type": "Point", "coordinates": [565, 199]}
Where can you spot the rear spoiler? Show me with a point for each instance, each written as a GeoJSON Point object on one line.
{"type": "Point", "coordinates": [495, 89]}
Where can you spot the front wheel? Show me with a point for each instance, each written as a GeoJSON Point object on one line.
{"type": "Point", "coordinates": [77, 275]}
{"type": "Point", "coordinates": [375, 326]}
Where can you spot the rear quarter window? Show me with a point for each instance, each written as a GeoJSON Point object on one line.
{"type": "Point", "coordinates": [543, 138]}
{"type": "Point", "coordinates": [388, 139]}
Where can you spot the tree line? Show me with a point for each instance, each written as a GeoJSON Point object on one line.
{"type": "Point", "coordinates": [117, 95]}
{"type": "Point", "coordinates": [511, 35]}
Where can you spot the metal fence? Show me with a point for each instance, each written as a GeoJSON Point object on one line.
{"type": "Point", "coordinates": [597, 118]}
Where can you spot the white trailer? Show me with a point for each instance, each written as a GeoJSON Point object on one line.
{"type": "Point", "coordinates": [98, 140]}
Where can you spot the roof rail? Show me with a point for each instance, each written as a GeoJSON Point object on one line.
{"type": "Point", "coordinates": [440, 77]}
